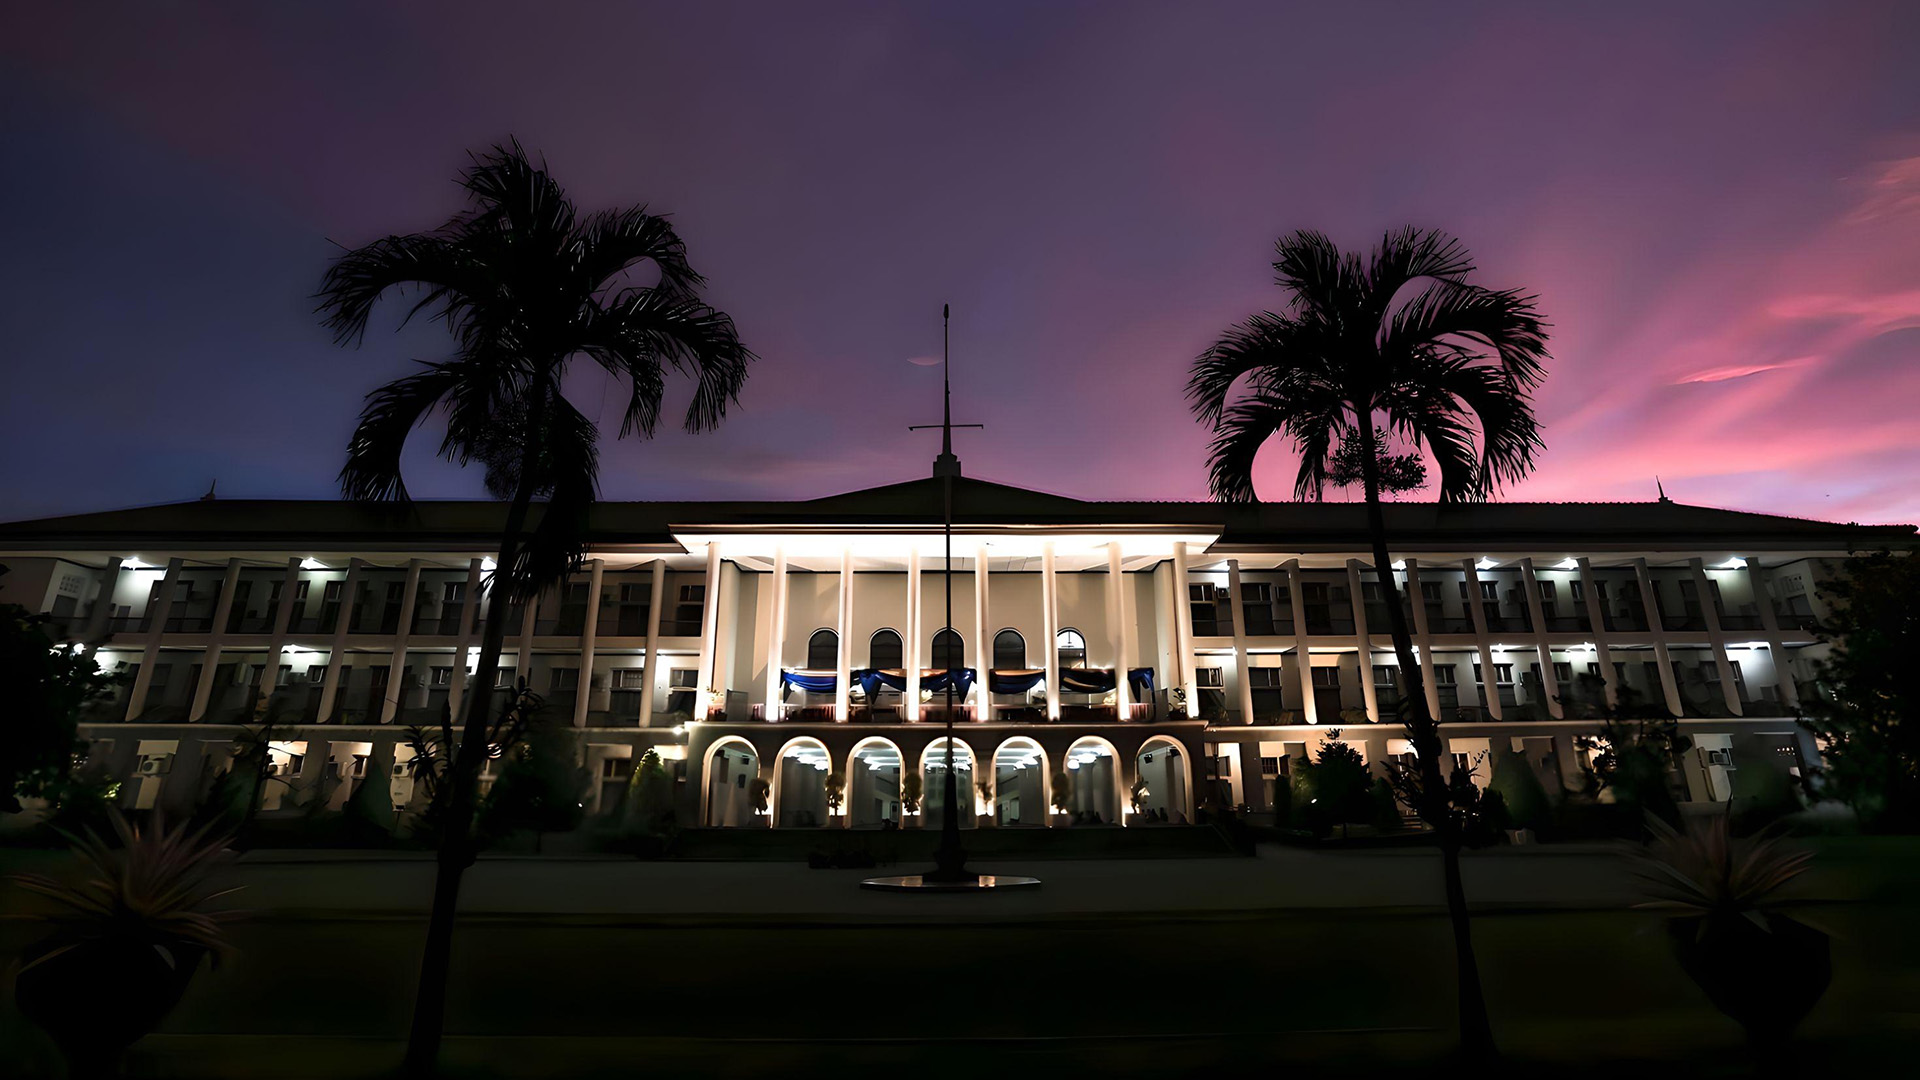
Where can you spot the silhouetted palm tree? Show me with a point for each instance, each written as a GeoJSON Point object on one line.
{"type": "Point", "coordinates": [525, 286]}
{"type": "Point", "coordinates": [1403, 339]}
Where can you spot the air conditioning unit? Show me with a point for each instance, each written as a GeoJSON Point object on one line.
{"type": "Point", "coordinates": [155, 764]}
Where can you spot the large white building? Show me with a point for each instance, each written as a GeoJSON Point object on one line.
{"type": "Point", "coordinates": [786, 641]}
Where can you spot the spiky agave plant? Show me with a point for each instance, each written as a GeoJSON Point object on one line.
{"type": "Point", "coordinates": [128, 937]}
{"type": "Point", "coordinates": [150, 889]}
{"type": "Point", "coordinates": [1703, 871]}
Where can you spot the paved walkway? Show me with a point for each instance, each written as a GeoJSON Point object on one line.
{"type": "Point", "coordinates": [1566, 877]}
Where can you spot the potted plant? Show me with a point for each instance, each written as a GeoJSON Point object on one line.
{"type": "Point", "coordinates": [836, 786]}
{"type": "Point", "coordinates": [984, 786]}
{"type": "Point", "coordinates": [1137, 796]}
{"type": "Point", "coordinates": [910, 795]}
{"type": "Point", "coordinates": [1762, 968]}
{"type": "Point", "coordinates": [757, 792]}
{"type": "Point", "coordinates": [1062, 798]}
{"type": "Point", "coordinates": [126, 940]}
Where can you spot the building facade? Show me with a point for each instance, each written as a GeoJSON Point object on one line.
{"type": "Point", "coordinates": [1118, 662]}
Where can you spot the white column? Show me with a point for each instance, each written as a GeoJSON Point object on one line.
{"type": "Point", "coordinates": [843, 629]}
{"type": "Point", "coordinates": [982, 644]}
{"type": "Point", "coordinates": [103, 605]}
{"type": "Point", "coordinates": [282, 618]}
{"type": "Point", "coordinates": [337, 655]}
{"type": "Point", "coordinates": [1716, 637]}
{"type": "Point", "coordinates": [222, 611]}
{"type": "Point", "coordinates": [157, 613]}
{"type": "Point", "coordinates": [1657, 629]}
{"type": "Point", "coordinates": [1549, 683]}
{"type": "Point", "coordinates": [1119, 627]}
{"type": "Point", "coordinates": [1597, 619]}
{"type": "Point", "coordinates": [1770, 624]}
{"type": "Point", "coordinates": [1239, 622]}
{"type": "Point", "coordinates": [589, 637]}
{"type": "Point", "coordinates": [1422, 640]}
{"type": "Point", "coordinates": [397, 666]}
{"type": "Point", "coordinates": [912, 652]}
{"type": "Point", "coordinates": [1489, 680]}
{"type": "Point", "coordinates": [1050, 623]}
{"type": "Point", "coordinates": [1369, 695]}
{"type": "Point", "coordinates": [523, 655]}
{"type": "Point", "coordinates": [709, 631]}
{"type": "Point", "coordinates": [650, 668]}
{"type": "Point", "coordinates": [456, 691]}
{"type": "Point", "coordinates": [1183, 632]}
{"type": "Point", "coordinates": [776, 635]}
{"type": "Point", "coordinates": [1302, 658]}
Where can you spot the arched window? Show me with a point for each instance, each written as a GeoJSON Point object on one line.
{"type": "Point", "coordinates": [884, 651]}
{"type": "Point", "coordinates": [1009, 651]}
{"type": "Point", "coordinates": [1073, 649]}
{"type": "Point", "coordinates": [823, 651]}
{"type": "Point", "coordinates": [947, 654]}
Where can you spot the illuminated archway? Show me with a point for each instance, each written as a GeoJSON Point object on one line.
{"type": "Point", "coordinates": [875, 768]}
{"type": "Point", "coordinates": [1167, 772]}
{"type": "Point", "coordinates": [933, 777]}
{"type": "Point", "coordinates": [1022, 783]}
{"type": "Point", "coordinates": [727, 775]}
{"type": "Point", "coordinates": [1093, 768]}
{"type": "Point", "coordinates": [800, 774]}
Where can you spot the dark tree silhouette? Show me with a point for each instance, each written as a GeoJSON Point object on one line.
{"type": "Point", "coordinates": [525, 286]}
{"type": "Point", "coordinates": [1404, 339]}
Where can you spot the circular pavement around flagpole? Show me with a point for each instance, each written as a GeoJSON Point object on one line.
{"type": "Point", "coordinates": [922, 883]}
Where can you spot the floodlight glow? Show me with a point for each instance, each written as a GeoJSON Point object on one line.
{"type": "Point", "coordinates": [1485, 563]}
{"type": "Point", "coordinates": [488, 565]}
{"type": "Point", "coordinates": [132, 562]}
{"type": "Point", "coordinates": [1734, 563]}
{"type": "Point", "coordinates": [1570, 564]}
{"type": "Point", "coordinates": [311, 563]}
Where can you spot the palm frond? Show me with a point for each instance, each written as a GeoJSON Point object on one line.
{"type": "Point", "coordinates": [372, 471]}
{"type": "Point", "coordinates": [614, 240]}
{"type": "Point", "coordinates": [355, 282]}
{"type": "Point", "coordinates": [643, 328]}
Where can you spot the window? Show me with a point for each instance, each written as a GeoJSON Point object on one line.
{"type": "Point", "coordinates": [683, 678]}
{"type": "Point", "coordinates": [693, 594]}
{"type": "Point", "coordinates": [885, 651]}
{"type": "Point", "coordinates": [1430, 591]}
{"type": "Point", "coordinates": [1489, 590]}
{"type": "Point", "coordinates": [396, 591]}
{"type": "Point", "coordinates": [1563, 673]}
{"type": "Point", "coordinates": [1326, 677]}
{"type": "Point", "coordinates": [1209, 678]}
{"type": "Point", "coordinates": [1579, 591]}
{"type": "Point", "coordinates": [443, 676]}
{"type": "Point", "coordinates": [331, 594]}
{"type": "Point", "coordinates": [635, 594]}
{"type": "Point", "coordinates": [1009, 651]}
{"type": "Point", "coordinates": [453, 592]}
{"type": "Point", "coordinates": [1385, 676]}
{"type": "Point", "coordinates": [823, 651]}
{"type": "Point", "coordinates": [1264, 678]}
{"type": "Point", "coordinates": [616, 768]}
{"type": "Point", "coordinates": [1443, 675]}
{"type": "Point", "coordinates": [562, 679]}
{"type": "Point", "coordinates": [1793, 583]}
{"type": "Point", "coordinates": [632, 678]}
{"type": "Point", "coordinates": [1268, 700]}
{"type": "Point", "coordinates": [1073, 649]}
{"type": "Point", "coordinates": [1502, 673]}
{"type": "Point", "coordinates": [1269, 766]}
{"type": "Point", "coordinates": [947, 653]}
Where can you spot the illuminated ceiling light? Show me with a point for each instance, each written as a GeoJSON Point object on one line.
{"type": "Point", "coordinates": [1485, 563]}
{"type": "Point", "coordinates": [1400, 564]}
{"type": "Point", "coordinates": [1570, 564]}
{"type": "Point", "coordinates": [132, 562]}
{"type": "Point", "coordinates": [488, 565]}
{"type": "Point", "coordinates": [1734, 563]}
{"type": "Point", "coordinates": [311, 563]}
{"type": "Point", "coordinates": [679, 729]}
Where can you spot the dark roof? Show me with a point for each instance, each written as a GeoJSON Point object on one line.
{"type": "Point", "coordinates": [1288, 526]}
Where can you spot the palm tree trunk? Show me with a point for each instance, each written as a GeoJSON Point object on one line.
{"type": "Point", "coordinates": [456, 838]}
{"type": "Point", "coordinates": [1423, 730]}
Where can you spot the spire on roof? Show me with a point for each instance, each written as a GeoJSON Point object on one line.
{"type": "Point", "coordinates": [1661, 488]}
{"type": "Point", "coordinates": [208, 497]}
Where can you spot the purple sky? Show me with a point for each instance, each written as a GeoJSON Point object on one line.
{"type": "Point", "coordinates": [1719, 206]}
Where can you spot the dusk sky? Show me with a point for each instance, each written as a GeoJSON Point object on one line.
{"type": "Point", "coordinates": [1718, 205]}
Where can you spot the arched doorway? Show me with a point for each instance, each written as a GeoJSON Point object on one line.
{"type": "Point", "coordinates": [1093, 771]}
{"type": "Point", "coordinates": [933, 780]}
{"type": "Point", "coordinates": [1162, 780]}
{"type": "Point", "coordinates": [732, 770]}
{"type": "Point", "coordinates": [874, 770]}
{"type": "Point", "coordinates": [800, 785]}
{"type": "Point", "coordinates": [1020, 783]}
